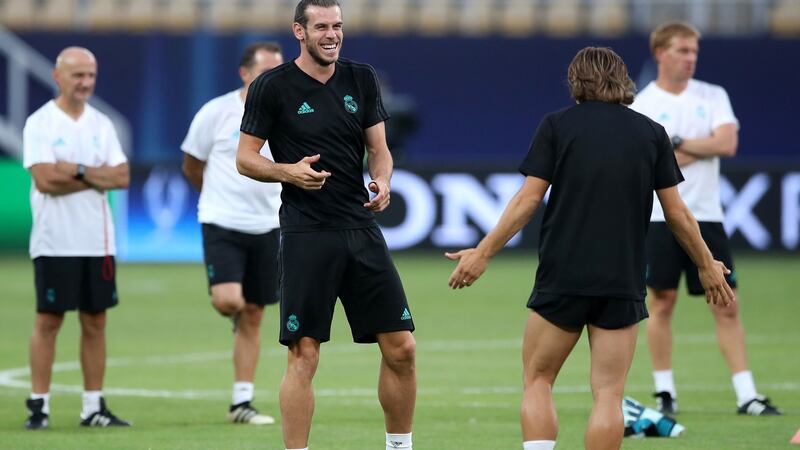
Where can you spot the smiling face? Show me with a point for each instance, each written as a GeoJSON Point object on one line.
{"type": "Point", "coordinates": [322, 36]}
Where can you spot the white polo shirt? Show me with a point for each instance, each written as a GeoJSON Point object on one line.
{"type": "Point", "coordinates": [229, 199]}
{"type": "Point", "coordinates": [692, 114]}
{"type": "Point", "coordinates": [77, 224]}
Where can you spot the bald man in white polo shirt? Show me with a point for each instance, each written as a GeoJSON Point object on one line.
{"type": "Point", "coordinates": [74, 157]}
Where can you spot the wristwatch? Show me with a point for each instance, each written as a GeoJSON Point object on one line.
{"type": "Point", "coordinates": [677, 141]}
{"type": "Point", "coordinates": [81, 172]}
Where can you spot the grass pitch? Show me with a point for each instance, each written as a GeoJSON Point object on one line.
{"type": "Point", "coordinates": [169, 367]}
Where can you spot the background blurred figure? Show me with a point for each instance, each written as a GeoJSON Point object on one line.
{"type": "Point", "coordinates": [699, 118]}
{"type": "Point", "coordinates": [591, 252]}
{"type": "Point", "coordinates": [74, 157]}
{"type": "Point", "coordinates": [239, 218]}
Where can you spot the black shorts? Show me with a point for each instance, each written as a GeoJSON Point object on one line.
{"type": "Point", "coordinates": [666, 259]}
{"type": "Point", "coordinates": [353, 265]}
{"type": "Point", "coordinates": [66, 283]}
{"type": "Point", "coordinates": [576, 311]}
{"type": "Point", "coordinates": [249, 259]}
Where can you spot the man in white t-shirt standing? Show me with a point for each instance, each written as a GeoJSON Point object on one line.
{"type": "Point", "coordinates": [699, 118]}
{"type": "Point", "coordinates": [74, 157]}
{"type": "Point", "coordinates": [239, 218]}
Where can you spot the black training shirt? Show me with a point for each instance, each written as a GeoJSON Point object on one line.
{"type": "Point", "coordinates": [300, 117]}
{"type": "Point", "coordinates": [603, 161]}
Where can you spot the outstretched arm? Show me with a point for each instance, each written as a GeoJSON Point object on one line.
{"type": "Point", "coordinates": [250, 163]}
{"type": "Point", "coordinates": [519, 211]}
{"type": "Point", "coordinates": [380, 164]}
{"type": "Point", "coordinates": [687, 232]}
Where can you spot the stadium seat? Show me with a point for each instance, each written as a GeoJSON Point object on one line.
{"type": "Point", "coordinates": [133, 15]}
{"type": "Point", "coordinates": [476, 17]}
{"type": "Point", "coordinates": [608, 18]}
{"type": "Point", "coordinates": [179, 15]}
{"type": "Point", "coordinates": [268, 15]}
{"type": "Point", "coordinates": [141, 14]}
{"type": "Point", "coordinates": [228, 15]}
{"type": "Point", "coordinates": [17, 13]}
{"type": "Point", "coordinates": [357, 14]}
{"type": "Point", "coordinates": [434, 17]}
{"type": "Point", "coordinates": [564, 18]}
{"type": "Point", "coordinates": [391, 17]}
{"type": "Point", "coordinates": [519, 18]}
{"type": "Point", "coordinates": [785, 20]}
{"type": "Point", "coordinates": [56, 14]}
{"type": "Point", "coordinates": [101, 14]}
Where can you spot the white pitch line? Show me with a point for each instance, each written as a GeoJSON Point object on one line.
{"type": "Point", "coordinates": [10, 378]}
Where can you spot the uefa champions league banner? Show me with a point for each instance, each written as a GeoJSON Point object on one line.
{"type": "Point", "coordinates": [452, 209]}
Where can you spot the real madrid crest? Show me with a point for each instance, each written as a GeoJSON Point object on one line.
{"type": "Point", "coordinates": [350, 105]}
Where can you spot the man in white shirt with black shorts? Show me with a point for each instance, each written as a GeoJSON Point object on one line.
{"type": "Point", "coordinates": [699, 118]}
{"type": "Point", "coordinates": [74, 157]}
{"type": "Point", "coordinates": [239, 217]}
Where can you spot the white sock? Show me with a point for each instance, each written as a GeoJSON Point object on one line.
{"type": "Point", "coordinates": [91, 403]}
{"type": "Point", "coordinates": [744, 386]}
{"type": "Point", "coordinates": [398, 441]}
{"type": "Point", "coordinates": [242, 392]}
{"type": "Point", "coordinates": [304, 448]}
{"type": "Point", "coordinates": [664, 382]}
{"type": "Point", "coordinates": [46, 397]}
{"type": "Point", "coordinates": [538, 445]}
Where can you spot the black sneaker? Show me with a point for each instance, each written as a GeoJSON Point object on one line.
{"type": "Point", "coordinates": [245, 413]}
{"type": "Point", "coordinates": [665, 403]}
{"type": "Point", "coordinates": [759, 406]}
{"type": "Point", "coordinates": [37, 420]}
{"type": "Point", "coordinates": [104, 418]}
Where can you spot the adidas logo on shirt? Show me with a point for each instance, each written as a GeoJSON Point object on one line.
{"type": "Point", "coordinates": [305, 109]}
{"type": "Point", "coordinates": [406, 315]}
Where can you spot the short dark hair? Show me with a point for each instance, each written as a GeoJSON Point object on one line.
{"type": "Point", "coordinates": [597, 73]}
{"type": "Point", "coordinates": [300, 12]}
{"type": "Point", "coordinates": [249, 54]}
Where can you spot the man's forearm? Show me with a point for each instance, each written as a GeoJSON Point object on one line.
{"type": "Point", "coordinates": [105, 177]}
{"type": "Point", "coordinates": [687, 232]}
{"type": "Point", "coordinates": [380, 165]}
{"type": "Point", "coordinates": [259, 168]}
{"type": "Point", "coordinates": [518, 212]}
{"type": "Point", "coordinates": [684, 159]}
{"type": "Point", "coordinates": [59, 186]}
{"type": "Point", "coordinates": [55, 179]}
{"type": "Point", "coordinates": [708, 147]}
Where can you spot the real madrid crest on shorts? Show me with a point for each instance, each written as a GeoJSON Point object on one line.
{"type": "Point", "coordinates": [350, 105]}
{"type": "Point", "coordinates": [292, 324]}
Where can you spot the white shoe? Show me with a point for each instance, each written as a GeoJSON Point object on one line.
{"type": "Point", "coordinates": [245, 413]}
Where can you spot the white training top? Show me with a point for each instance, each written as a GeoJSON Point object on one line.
{"type": "Point", "coordinates": [692, 114]}
{"type": "Point", "coordinates": [229, 199]}
{"type": "Point", "coordinates": [77, 224]}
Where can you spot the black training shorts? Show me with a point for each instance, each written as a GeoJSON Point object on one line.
{"type": "Point", "coordinates": [576, 311]}
{"type": "Point", "coordinates": [66, 283]}
{"type": "Point", "coordinates": [354, 265]}
{"type": "Point", "coordinates": [249, 259]}
{"type": "Point", "coordinates": [666, 259]}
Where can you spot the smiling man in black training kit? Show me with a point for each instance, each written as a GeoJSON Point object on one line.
{"type": "Point", "coordinates": [319, 114]}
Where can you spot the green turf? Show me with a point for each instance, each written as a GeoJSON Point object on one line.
{"type": "Point", "coordinates": [164, 340]}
